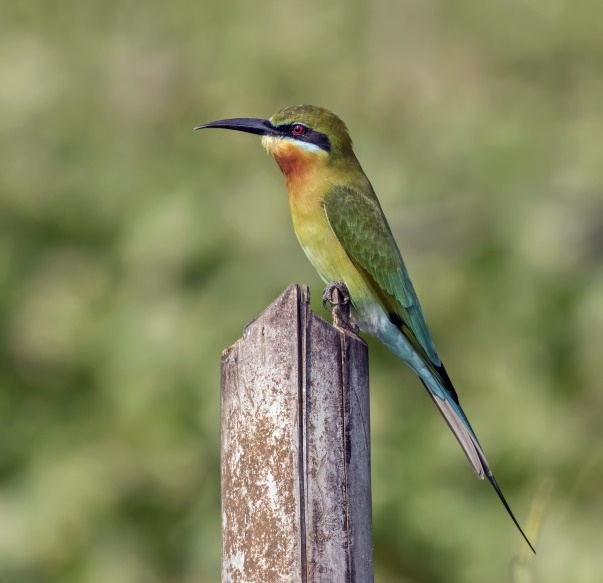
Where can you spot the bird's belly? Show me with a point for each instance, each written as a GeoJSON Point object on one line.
{"type": "Point", "coordinates": [329, 259]}
{"type": "Point", "coordinates": [324, 251]}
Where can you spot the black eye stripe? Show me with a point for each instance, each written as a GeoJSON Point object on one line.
{"type": "Point", "coordinates": [311, 136]}
{"type": "Point", "coordinates": [288, 128]}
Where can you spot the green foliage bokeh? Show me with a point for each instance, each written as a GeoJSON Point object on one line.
{"type": "Point", "coordinates": [133, 250]}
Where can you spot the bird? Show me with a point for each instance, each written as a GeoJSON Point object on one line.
{"type": "Point", "coordinates": [343, 231]}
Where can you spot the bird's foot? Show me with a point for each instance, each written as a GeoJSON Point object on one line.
{"type": "Point", "coordinates": [337, 295]}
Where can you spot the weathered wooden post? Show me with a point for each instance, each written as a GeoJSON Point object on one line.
{"type": "Point", "coordinates": [296, 489]}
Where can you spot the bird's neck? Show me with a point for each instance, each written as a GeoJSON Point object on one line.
{"type": "Point", "coordinates": [306, 173]}
{"type": "Point", "coordinates": [310, 175]}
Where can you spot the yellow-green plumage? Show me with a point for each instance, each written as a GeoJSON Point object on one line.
{"type": "Point", "coordinates": [343, 231]}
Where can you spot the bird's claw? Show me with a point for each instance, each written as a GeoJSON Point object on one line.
{"type": "Point", "coordinates": [337, 295]}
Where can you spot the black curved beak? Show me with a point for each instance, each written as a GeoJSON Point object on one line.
{"type": "Point", "coordinates": [251, 125]}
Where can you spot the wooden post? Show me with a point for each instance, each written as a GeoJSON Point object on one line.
{"type": "Point", "coordinates": [296, 489]}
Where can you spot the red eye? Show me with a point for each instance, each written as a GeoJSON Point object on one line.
{"type": "Point", "coordinates": [297, 129]}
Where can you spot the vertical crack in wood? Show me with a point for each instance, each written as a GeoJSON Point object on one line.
{"type": "Point", "coordinates": [345, 448]}
{"type": "Point", "coordinates": [302, 330]}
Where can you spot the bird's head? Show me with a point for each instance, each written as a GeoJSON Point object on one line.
{"type": "Point", "coordinates": [297, 136]}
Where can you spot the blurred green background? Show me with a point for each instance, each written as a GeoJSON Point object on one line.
{"type": "Point", "coordinates": [132, 251]}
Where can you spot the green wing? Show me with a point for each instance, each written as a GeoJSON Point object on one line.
{"type": "Point", "coordinates": [360, 225]}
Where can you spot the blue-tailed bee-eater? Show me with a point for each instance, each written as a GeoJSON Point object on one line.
{"type": "Point", "coordinates": [343, 231]}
